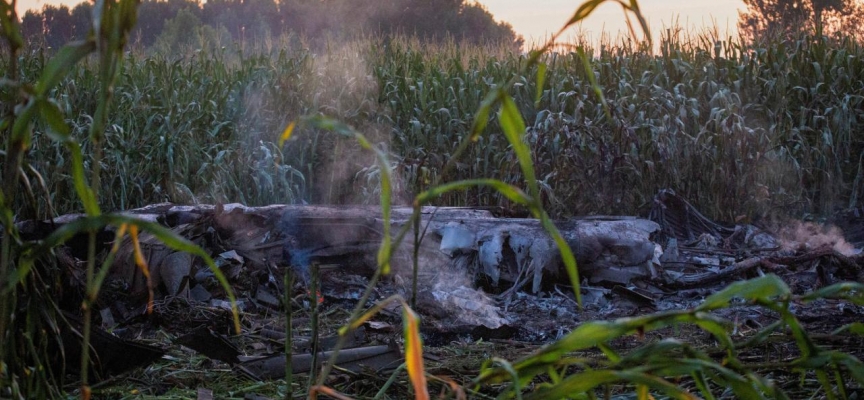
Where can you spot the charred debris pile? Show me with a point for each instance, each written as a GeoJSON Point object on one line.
{"type": "Point", "coordinates": [480, 276]}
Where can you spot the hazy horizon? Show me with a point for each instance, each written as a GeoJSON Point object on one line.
{"type": "Point", "coordinates": [535, 22]}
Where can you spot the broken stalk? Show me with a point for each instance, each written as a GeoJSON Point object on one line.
{"type": "Point", "coordinates": [418, 238]}
{"type": "Point", "coordinates": [15, 149]}
{"type": "Point", "coordinates": [313, 300]}
{"type": "Point", "coordinates": [358, 309]}
{"type": "Point", "coordinates": [87, 306]}
{"type": "Point", "coordinates": [288, 282]}
{"type": "Point", "coordinates": [416, 263]}
{"type": "Point", "coordinates": [390, 381]}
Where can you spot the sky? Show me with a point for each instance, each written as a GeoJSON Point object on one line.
{"type": "Point", "coordinates": [535, 19]}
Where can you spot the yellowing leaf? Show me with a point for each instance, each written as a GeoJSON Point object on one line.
{"type": "Point", "coordinates": [287, 133]}
{"type": "Point", "coordinates": [643, 394]}
{"type": "Point", "coordinates": [414, 353]}
{"type": "Point", "coordinates": [142, 265]}
{"type": "Point", "coordinates": [314, 390]}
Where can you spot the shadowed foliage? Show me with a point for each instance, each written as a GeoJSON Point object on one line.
{"type": "Point", "coordinates": [787, 18]}
{"type": "Point", "coordinates": [262, 20]}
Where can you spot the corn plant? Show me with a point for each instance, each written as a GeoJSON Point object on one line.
{"type": "Point", "coordinates": [742, 129]}
{"type": "Point", "coordinates": [513, 127]}
{"type": "Point", "coordinates": [647, 368]}
{"type": "Point", "coordinates": [24, 368]}
{"type": "Point", "coordinates": [656, 365]}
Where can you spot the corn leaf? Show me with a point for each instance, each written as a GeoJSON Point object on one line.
{"type": "Point", "coordinates": [62, 63]}
{"type": "Point", "coordinates": [511, 192]}
{"type": "Point", "coordinates": [286, 134]}
{"type": "Point", "coordinates": [414, 353]}
{"type": "Point", "coordinates": [541, 80]}
{"type": "Point", "coordinates": [764, 287]}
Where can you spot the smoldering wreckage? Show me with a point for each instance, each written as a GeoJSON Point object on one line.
{"type": "Point", "coordinates": [480, 276]}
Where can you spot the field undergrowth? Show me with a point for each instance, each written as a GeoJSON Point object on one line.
{"type": "Point", "coordinates": [743, 130]}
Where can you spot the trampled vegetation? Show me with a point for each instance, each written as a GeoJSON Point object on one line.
{"type": "Point", "coordinates": [745, 131]}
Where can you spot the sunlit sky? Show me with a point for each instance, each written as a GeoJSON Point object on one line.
{"type": "Point", "coordinates": [535, 19]}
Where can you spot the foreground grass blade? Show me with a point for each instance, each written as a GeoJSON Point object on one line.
{"type": "Point", "coordinates": [511, 192]}
{"type": "Point", "coordinates": [142, 265]}
{"type": "Point", "coordinates": [764, 288]}
{"type": "Point", "coordinates": [9, 24]}
{"type": "Point", "coordinates": [286, 134]}
{"type": "Point", "coordinates": [315, 390]}
{"type": "Point", "coordinates": [60, 65]}
{"type": "Point", "coordinates": [514, 130]}
{"type": "Point", "coordinates": [850, 291]}
{"type": "Point", "coordinates": [414, 353]}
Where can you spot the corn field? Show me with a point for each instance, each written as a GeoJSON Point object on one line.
{"type": "Point", "coordinates": [744, 131]}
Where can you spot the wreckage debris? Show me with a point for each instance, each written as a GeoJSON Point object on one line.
{"type": "Point", "coordinates": [480, 275]}
{"type": "Point", "coordinates": [716, 253]}
{"type": "Point", "coordinates": [109, 355]}
{"type": "Point", "coordinates": [372, 358]}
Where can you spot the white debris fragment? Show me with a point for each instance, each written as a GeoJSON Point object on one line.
{"type": "Point", "coordinates": [491, 254]}
{"type": "Point", "coordinates": [469, 306]}
{"type": "Point", "coordinates": [455, 237]}
{"type": "Point", "coordinates": [543, 254]}
{"type": "Point", "coordinates": [521, 246]}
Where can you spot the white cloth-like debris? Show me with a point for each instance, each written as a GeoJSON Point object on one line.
{"type": "Point", "coordinates": [491, 254]}
{"type": "Point", "coordinates": [455, 237]}
{"type": "Point", "coordinates": [468, 306]}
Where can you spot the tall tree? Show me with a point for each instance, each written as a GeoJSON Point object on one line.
{"type": "Point", "coordinates": [59, 24]}
{"type": "Point", "coordinates": [172, 22]}
{"type": "Point", "coordinates": [153, 14]}
{"type": "Point", "coordinates": [82, 20]}
{"type": "Point", "coordinates": [439, 19]}
{"type": "Point", "coordinates": [32, 27]}
{"type": "Point", "coordinates": [260, 18]}
{"type": "Point", "coordinates": [789, 17]}
{"type": "Point", "coordinates": [225, 14]}
{"type": "Point", "coordinates": [180, 33]}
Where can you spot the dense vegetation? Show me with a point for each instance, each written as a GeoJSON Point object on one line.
{"type": "Point", "coordinates": [744, 130]}
{"type": "Point", "coordinates": [740, 130]}
{"type": "Point", "coordinates": [792, 17]}
{"type": "Point", "coordinates": [177, 24]}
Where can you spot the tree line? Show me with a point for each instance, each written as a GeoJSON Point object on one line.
{"type": "Point", "coordinates": [175, 23]}
{"type": "Point", "coordinates": [788, 18]}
